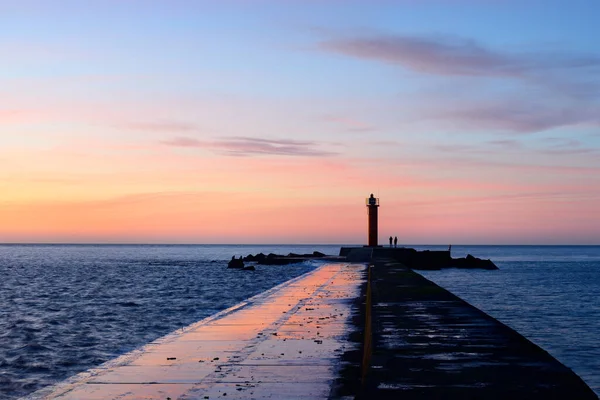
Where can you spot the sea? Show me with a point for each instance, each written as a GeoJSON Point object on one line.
{"type": "Point", "coordinates": [67, 308]}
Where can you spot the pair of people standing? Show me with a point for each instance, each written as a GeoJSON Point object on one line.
{"type": "Point", "coordinates": [395, 240]}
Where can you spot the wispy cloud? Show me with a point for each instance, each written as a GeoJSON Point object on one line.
{"type": "Point", "coordinates": [547, 89]}
{"type": "Point", "coordinates": [349, 124]}
{"type": "Point", "coordinates": [565, 146]}
{"type": "Point", "coordinates": [182, 141]}
{"type": "Point", "coordinates": [507, 144]}
{"type": "Point", "coordinates": [249, 146]}
{"type": "Point", "coordinates": [450, 55]}
{"type": "Point", "coordinates": [519, 116]}
{"type": "Point", "coordinates": [546, 146]}
{"type": "Point", "coordinates": [161, 126]}
{"type": "Point", "coordinates": [462, 149]}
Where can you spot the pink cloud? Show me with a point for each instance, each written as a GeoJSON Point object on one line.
{"type": "Point", "coordinates": [247, 146]}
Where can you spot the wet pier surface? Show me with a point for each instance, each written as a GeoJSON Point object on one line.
{"type": "Point", "coordinates": [285, 343]}
{"type": "Point", "coordinates": [429, 344]}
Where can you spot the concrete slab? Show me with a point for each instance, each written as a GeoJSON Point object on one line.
{"type": "Point", "coordinates": [285, 343]}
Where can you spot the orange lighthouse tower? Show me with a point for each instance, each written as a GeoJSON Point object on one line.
{"type": "Point", "coordinates": [372, 208]}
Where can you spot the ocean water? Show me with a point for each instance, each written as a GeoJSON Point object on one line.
{"type": "Point", "coordinates": [68, 308]}
{"type": "Point", "coordinates": [549, 294]}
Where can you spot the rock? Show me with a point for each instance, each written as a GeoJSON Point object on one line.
{"type": "Point", "coordinates": [258, 257]}
{"type": "Point", "coordinates": [278, 259]}
{"type": "Point", "coordinates": [249, 268]}
{"type": "Point", "coordinates": [235, 263]}
{"type": "Point", "coordinates": [470, 262]}
{"type": "Point", "coordinates": [487, 264]}
{"type": "Point", "coordinates": [436, 260]}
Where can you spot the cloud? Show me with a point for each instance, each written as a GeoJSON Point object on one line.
{"type": "Point", "coordinates": [462, 149]}
{"type": "Point", "coordinates": [519, 116]}
{"type": "Point", "coordinates": [507, 144]}
{"type": "Point", "coordinates": [547, 89]}
{"type": "Point", "coordinates": [162, 126]}
{"type": "Point", "coordinates": [545, 146]}
{"type": "Point", "coordinates": [565, 146]}
{"type": "Point", "coordinates": [349, 124]}
{"type": "Point", "coordinates": [521, 112]}
{"type": "Point", "coordinates": [248, 146]}
{"type": "Point", "coordinates": [453, 56]}
{"type": "Point", "coordinates": [183, 142]}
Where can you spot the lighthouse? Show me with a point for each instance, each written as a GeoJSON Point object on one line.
{"type": "Point", "coordinates": [372, 206]}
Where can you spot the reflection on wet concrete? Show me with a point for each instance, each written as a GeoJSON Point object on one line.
{"type": "Point", "coordinates": [285, 343]}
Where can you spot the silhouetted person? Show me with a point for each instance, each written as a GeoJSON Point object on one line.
{"type": "Point", "coordinates": [391, 241]}
{"type": "Point", "coordinates": [395, 241]}
{"type": "Point", "coordinates": [450, 249]}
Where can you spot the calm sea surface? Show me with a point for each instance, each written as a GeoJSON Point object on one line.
{"type": "Point", "coordinates": [67, 308]}
{"type": "Point", "coordinates": [549, 294]}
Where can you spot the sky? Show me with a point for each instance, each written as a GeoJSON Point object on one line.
{"type": "Point", "coordinates": [271, 121]}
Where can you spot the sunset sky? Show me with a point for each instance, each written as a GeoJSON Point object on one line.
{"type": "Point", "coordinates": [271, 121]}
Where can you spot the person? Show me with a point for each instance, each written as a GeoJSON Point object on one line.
{"type": "Point", "coordinates": [391, 241]}
{"type": "Point", "coordinates": [395, 241]}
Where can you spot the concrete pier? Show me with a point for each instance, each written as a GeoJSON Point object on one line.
{"type": "Point", "coordinates": [282, 344]}
{"type": "Point", "coordinates": [429, 344]}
